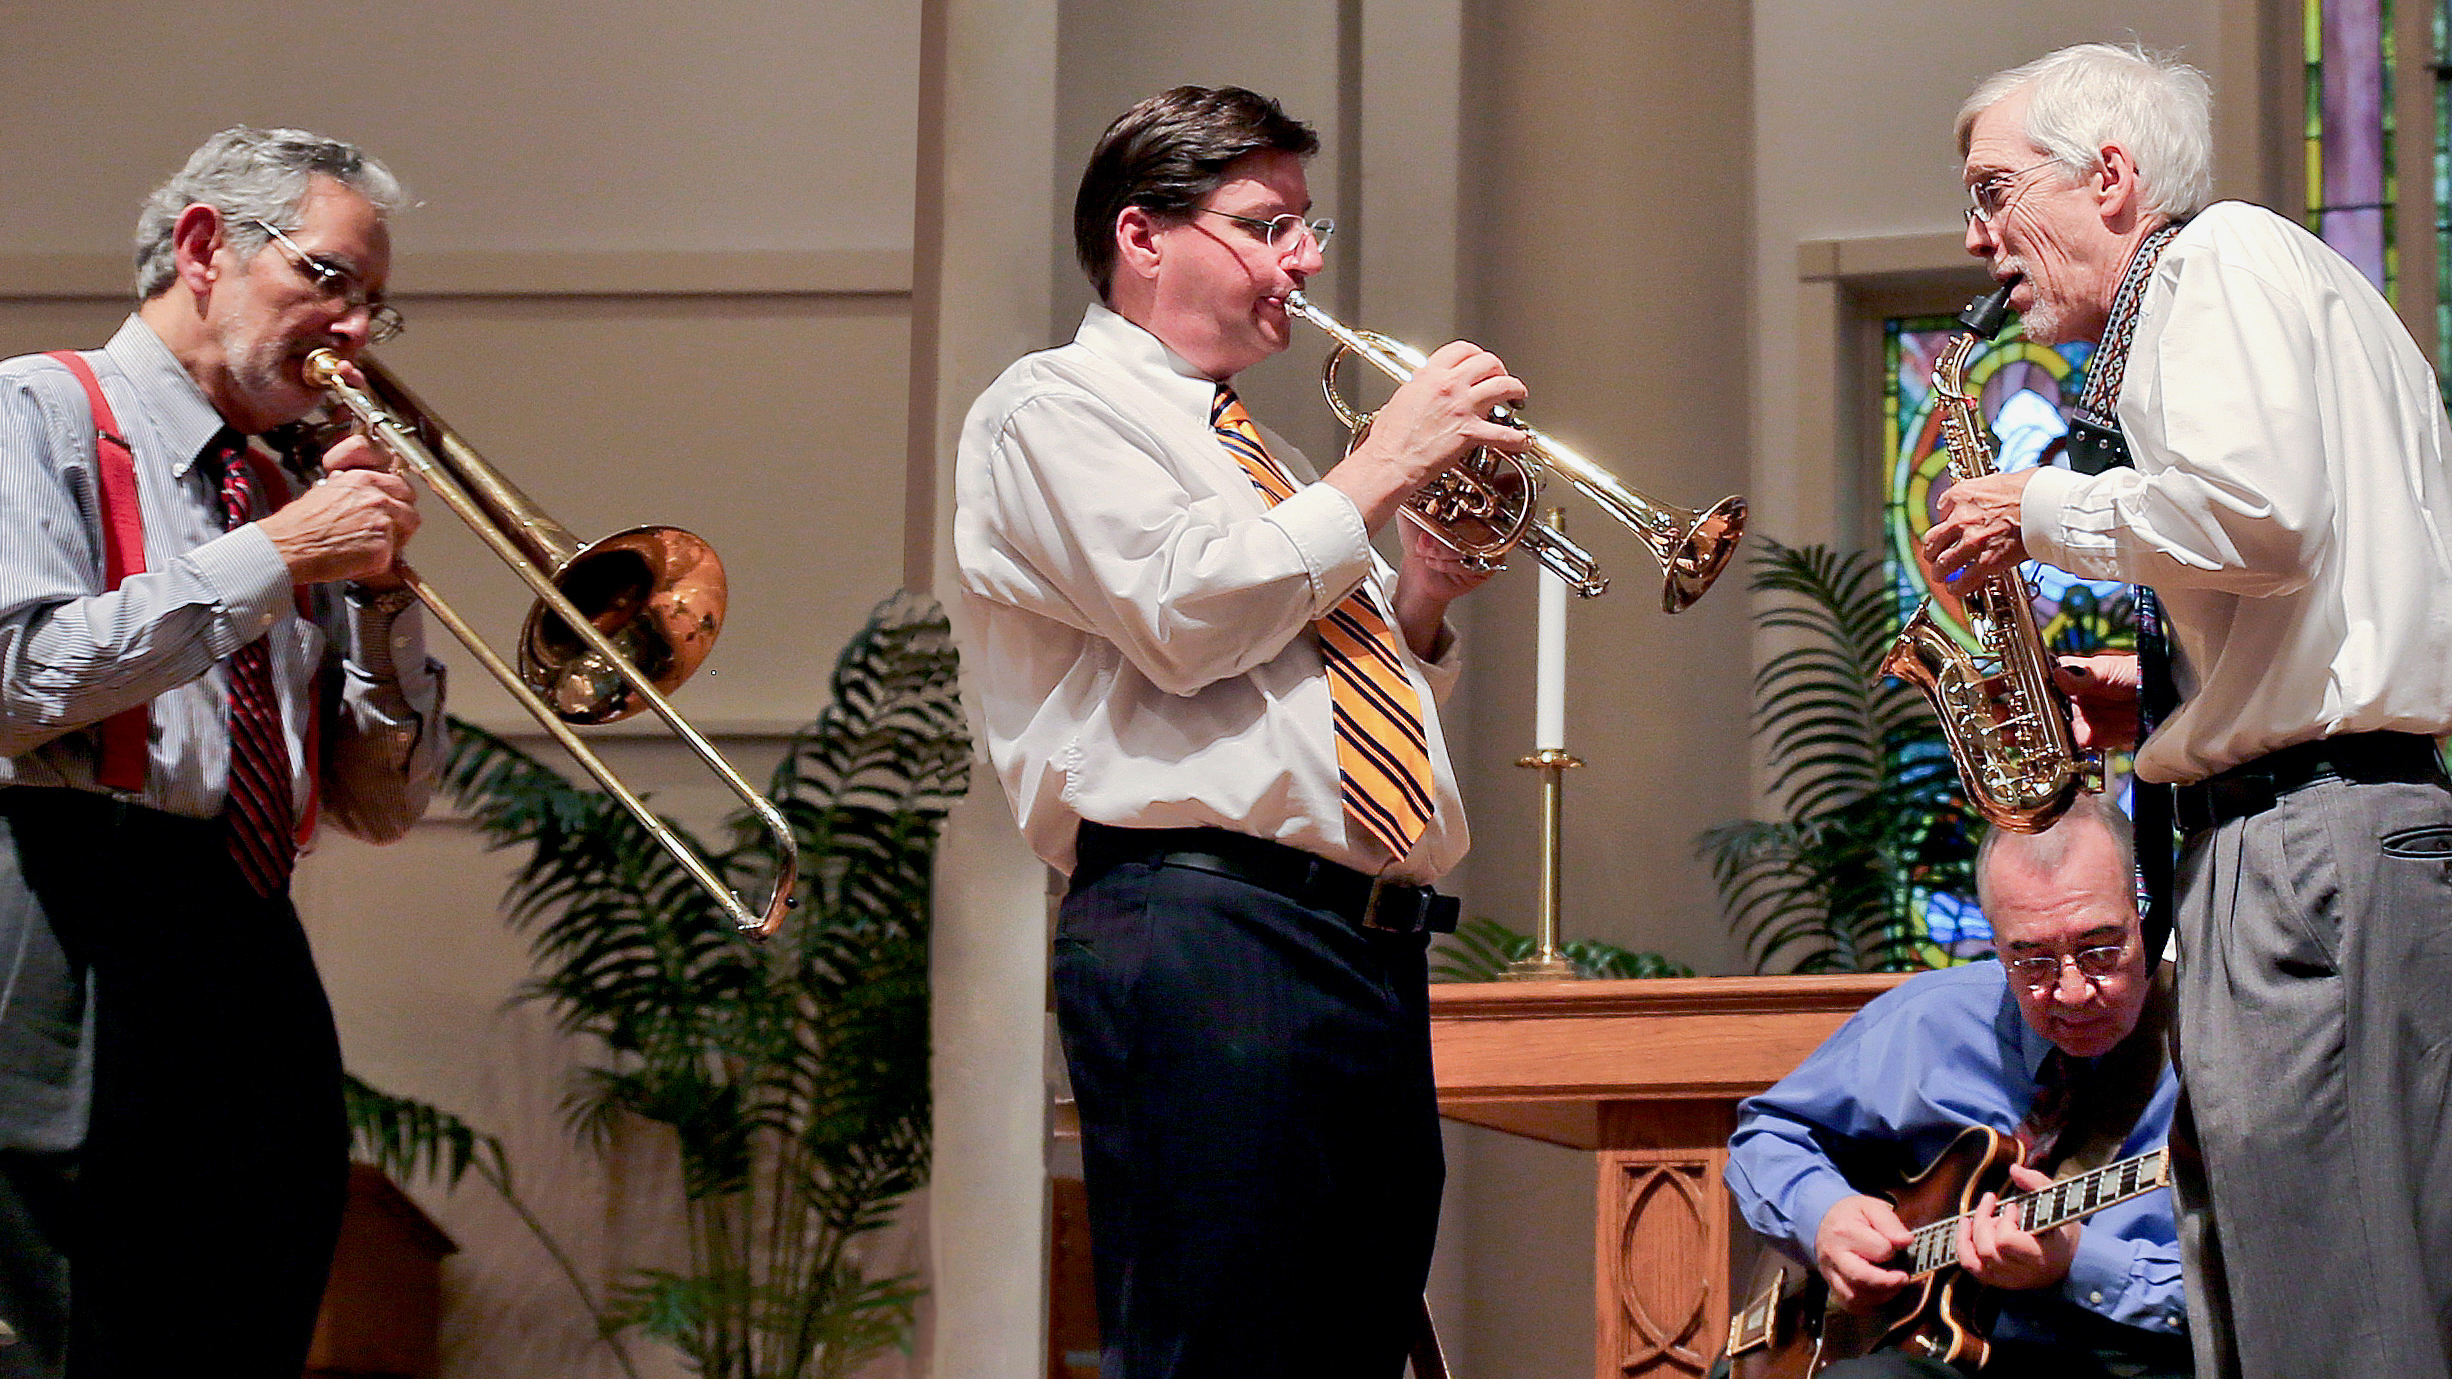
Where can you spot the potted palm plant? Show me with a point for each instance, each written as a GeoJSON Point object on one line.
{"type": "Point", "coordinates": [793, 1075]}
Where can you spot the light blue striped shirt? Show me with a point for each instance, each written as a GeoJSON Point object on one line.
{"type": "Point", "coordinates": [73, 654]}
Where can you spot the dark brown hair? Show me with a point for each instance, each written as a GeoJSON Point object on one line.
{"type": "Point", "coordinates": [1167, 154]}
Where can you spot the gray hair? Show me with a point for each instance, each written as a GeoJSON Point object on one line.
{"type": "Point", "coordinates": [250, 175]}
{"type": "Point", "coordinates": [2084, 97]}
{"type": "Point", "coordinates": [2050, 849]}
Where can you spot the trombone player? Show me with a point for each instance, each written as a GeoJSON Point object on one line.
{"type": "Point", "coordinates": [1217, 710]}
{"type": "Point", "coordinates": [195, 663]}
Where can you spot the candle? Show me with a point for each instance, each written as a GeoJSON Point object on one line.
{"type": "Point", "coordinates": [1550, 659]}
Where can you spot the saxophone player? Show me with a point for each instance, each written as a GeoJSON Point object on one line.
{"type": "Point", "coordinates": [2289, 504]}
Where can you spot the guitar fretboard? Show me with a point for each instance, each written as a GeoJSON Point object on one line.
{"type": "Point", "coordinates": [1936, 1246]}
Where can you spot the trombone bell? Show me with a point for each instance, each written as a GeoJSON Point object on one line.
{"type": "Point", "coordinates": [657, 592]}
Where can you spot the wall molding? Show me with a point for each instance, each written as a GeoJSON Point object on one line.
{"type": "Point", "coordinates": [449, 273]}
{"type": "Point", "coordinates": [1878, 256]}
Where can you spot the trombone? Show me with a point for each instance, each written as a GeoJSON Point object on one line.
{"type": "Point", "coordinates": [1484, 506]}
{"type": "Point", "coordinates": [658, 599]}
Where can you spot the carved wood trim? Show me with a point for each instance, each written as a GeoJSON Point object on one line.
{"type": "Point", "coordinates": [1663, 1249]}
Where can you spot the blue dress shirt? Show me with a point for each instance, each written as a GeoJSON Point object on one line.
{"type": "Point", "coordinates": [1940, 1052]}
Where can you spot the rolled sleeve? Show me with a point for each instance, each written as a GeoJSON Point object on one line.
{"type": "Point", "coordinates": [249, 583]}
{"type": "Point", "coordinates": [1330, 539]}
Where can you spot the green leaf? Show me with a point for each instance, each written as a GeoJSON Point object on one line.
{"type": "Point", "coordinates": [1873, 815]}
{"type": "Point", "coordinates": [1480, 950]}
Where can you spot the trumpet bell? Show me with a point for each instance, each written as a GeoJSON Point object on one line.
{"type": "Point", "coordinates": [658, 593]}
{"type": "Point", "coordinates": [1699, 556]}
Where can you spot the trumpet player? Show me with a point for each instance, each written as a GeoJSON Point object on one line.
{"type": "Point", "coordinates": [2289, 504]}
{"type": "Point", "coordinates": [194, 662]}
{"type": "Point", "coordinates": [1216, 709]}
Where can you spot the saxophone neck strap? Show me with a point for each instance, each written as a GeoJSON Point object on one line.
{"type": "Point", "coordinates": [2095, 443]}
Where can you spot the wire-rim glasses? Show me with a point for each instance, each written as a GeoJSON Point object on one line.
{"type": "Point", "coordinates": [1283, 233]}
{"type": "Point", "coordinates": [2041, 972]}
{"type": "Point", "coordinates": [1988, 196]}
{"type": "Point", "coordinates": [383, 320]}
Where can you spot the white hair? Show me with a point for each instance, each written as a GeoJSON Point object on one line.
{"type": "Point", "coordinates": [250, 175]}
{"type": "Point", "coordinates": [2085, 97]}
{"type": "Point", "coordinates": [2049, 850]}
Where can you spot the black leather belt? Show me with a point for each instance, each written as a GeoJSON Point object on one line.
{"type": "Point", "coordinates": [1362, 900]}
{"type": "Point", "coordinates": [2255, 786]}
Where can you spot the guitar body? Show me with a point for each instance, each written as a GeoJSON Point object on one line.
{"type": "Point", "coordinates": [1786, 1328]}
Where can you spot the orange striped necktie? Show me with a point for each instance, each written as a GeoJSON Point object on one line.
{"type": "Point", "coordinates": [1383, 756]}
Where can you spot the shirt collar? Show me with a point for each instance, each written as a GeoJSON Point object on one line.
{"type": "Point", "coordinates": [1170, 375]}
{"type": "Point", "coordinates": [183, 419]}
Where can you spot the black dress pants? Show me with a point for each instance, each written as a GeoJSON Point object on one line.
{"type": "Point", "coordinates": [201, 1210]}
{"type": "Point", "coordinates": [1259, 1128]}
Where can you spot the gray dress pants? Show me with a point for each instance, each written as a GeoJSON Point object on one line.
{"type": "Point", "coordinates": [2315, 1049]}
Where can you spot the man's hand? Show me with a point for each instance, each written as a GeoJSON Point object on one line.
{"type": "Point", "coordinates": [1431, 577]}
{"type": "Point", "coordinates": [1991, 1247]}
{"type": "Point", "coordinates": [1853, 1247]}
{"type": "Point", "coordinates": [352, 525]}
{"type": "Point", "coordinates": [1436, 418]}
{"type": "Point", "coordinates": [2103, 691]}
{"type": "Point", "coordinates": [1976, 533]}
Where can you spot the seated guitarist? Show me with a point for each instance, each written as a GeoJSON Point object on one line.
{"type": "Point", "coordinates": [2059, 1042]}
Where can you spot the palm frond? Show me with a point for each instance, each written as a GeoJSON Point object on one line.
{"type": "Point", "coordinates": [793, 1075]}
{"type": "Point", "coordinates": [1873, 814]}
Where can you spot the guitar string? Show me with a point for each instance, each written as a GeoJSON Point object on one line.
{"type": "Point", "coordinates": [1927, 1248]}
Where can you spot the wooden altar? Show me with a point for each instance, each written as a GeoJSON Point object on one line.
{"type": "Point", "coordinates": [1647, 1075]}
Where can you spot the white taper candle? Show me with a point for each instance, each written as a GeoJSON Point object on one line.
{"type": "Point", "coordinates": [1550, 676]}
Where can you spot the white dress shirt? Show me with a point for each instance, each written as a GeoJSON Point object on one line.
{"type": "Point", "coordinates": [1139, 618]}
{"type": "Point", "coordinates": [2290, 503]}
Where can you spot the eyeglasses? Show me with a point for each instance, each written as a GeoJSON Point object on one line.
{"type": "Point", "coordinates": [1987, 198]}
{"type": "Point", "coordinates": [1285, 232]}
{"type": "Point", "coordinates": [383, 321]}
{"type": "Point", "coordinates": [2042, 972]}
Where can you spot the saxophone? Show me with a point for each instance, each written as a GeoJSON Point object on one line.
{"type": "Point", "coordinates": [2007, 724]}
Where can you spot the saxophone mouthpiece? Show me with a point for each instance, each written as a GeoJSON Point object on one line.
{"type": "Point", "coordinates": [1988, 313]}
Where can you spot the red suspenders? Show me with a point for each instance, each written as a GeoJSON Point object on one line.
{"type": "Point", "coordinates": [126, 736]}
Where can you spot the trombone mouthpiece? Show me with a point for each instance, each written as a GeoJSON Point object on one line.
{"type": "Point", "coordinates": [322, 369]}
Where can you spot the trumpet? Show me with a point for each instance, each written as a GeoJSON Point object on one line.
{"type": "Point", "coordinates": [1484, 507]}
{"type": "Point", "coordinates": [653, 602]}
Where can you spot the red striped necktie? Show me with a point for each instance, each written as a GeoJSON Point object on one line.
{"type": "Point", "coordinates": [1383, 756]}
{"type": "Point", "coordinates": [258, 815]}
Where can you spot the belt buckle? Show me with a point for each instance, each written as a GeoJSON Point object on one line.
{"type": "Point", "coordinates": [1380, 886]}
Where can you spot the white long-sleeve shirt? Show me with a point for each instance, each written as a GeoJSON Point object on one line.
{"type": "Point", "coordinates": [1139, 618]}
{"type": "Point", "coordinates": [2290, 503]}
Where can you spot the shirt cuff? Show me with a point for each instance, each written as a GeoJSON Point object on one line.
{"type": "Point", "coordinates": [1812, 1201]}
{"type": "Point", "coordinates": [1327, 531]}
{"type": "Point", "coordinates": [2041, 513]}
{"type": "Point", "coordinates": [249, 581]}
{"type": "Point", "coordinates": [386, 643]}
{"type": "Point", "coordinates": [2115, 1277]}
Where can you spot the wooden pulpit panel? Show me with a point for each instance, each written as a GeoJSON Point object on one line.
{"type": "Point", "coordinates": [1647, 1075]}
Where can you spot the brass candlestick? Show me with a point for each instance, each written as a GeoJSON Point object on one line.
{"type": "Point", "coordinates": [1547, 964]}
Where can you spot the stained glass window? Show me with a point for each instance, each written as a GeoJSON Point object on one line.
{"type": "Point", "coordinates": [2351, 185]}
{"type": "Point", "coordinates": [2026, 391]}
